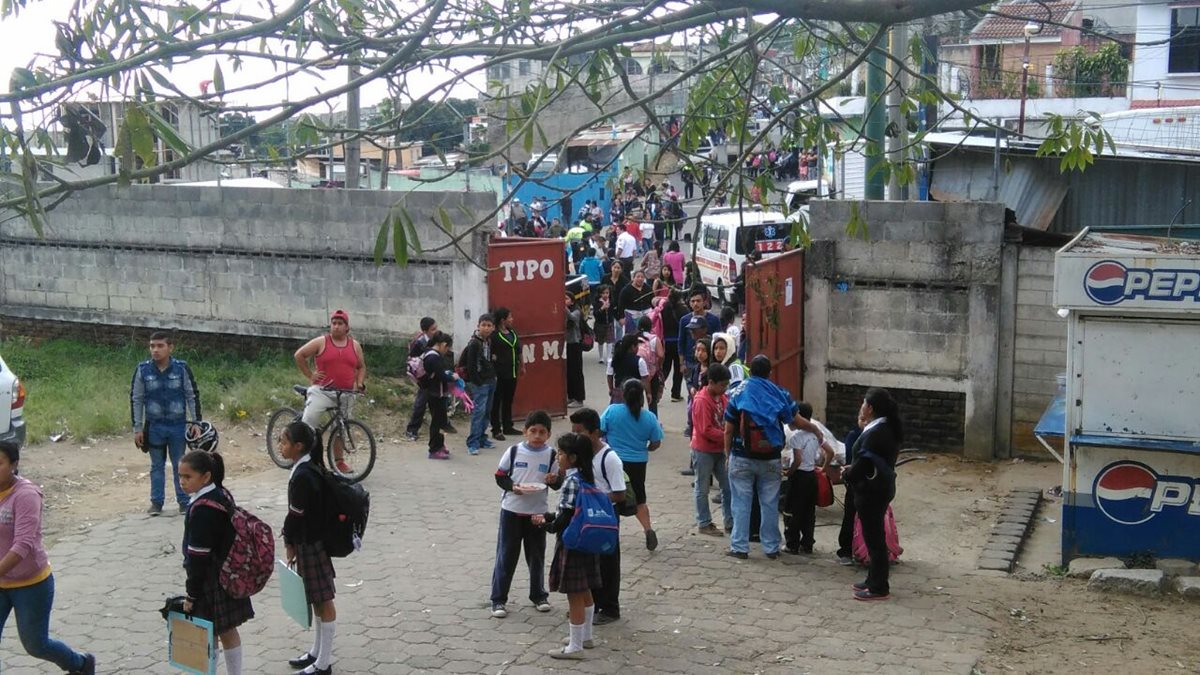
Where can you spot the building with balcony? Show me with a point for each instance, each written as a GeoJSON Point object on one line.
{"type": "Point", "coordinates": [1078, 58]}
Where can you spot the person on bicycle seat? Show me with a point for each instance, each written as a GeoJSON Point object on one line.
{"type": "Point", "coordinates": [337, 364]}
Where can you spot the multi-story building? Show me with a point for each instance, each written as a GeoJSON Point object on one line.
{"type": "Point", "coordinates": [196, 125]}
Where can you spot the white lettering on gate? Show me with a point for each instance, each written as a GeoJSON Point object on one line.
{"type": "Point", "coordinates": [527, 270]}
{"type": "Point", "coordinates": [550, 350]}
{"type": "Point", "coordinates": [528, 353]}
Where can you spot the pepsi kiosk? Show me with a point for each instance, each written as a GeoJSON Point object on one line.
{"type": "Point", "coordinates": [1131, 464]}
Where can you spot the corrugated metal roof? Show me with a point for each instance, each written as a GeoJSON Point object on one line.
{"type": "Point", "coordinates": [1004, 28]}
{"type": "Point", "coordinates": [606, 135]}
{"type": "Point", "coordinates": [1027, 187]}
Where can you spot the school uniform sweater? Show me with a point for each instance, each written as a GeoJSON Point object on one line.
{"type": "Point", "coordinates": [207, 536]}
{"type": "Point", "coordinates": [304, 522]}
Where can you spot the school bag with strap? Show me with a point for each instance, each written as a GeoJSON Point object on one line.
{"type": "Point", "coordinates": [629, 506]}
{"type": "Point", "coordinates": [251, 558]}
{"type": "Point", "coordinates": [416, 366]}
{"type": "Point", "coordinates": [891, 535]}
{"type": "Point", "coordinates": [646, 351]}
{"type": "Point", "coordinates": [754, 438]}
{"type": "Point", "coordinates": [347, 507]}
{"type": "Point", "coordinates": [594, 527]}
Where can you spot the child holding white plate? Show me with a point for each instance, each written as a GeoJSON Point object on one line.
{"type": "Point", "coordinates": [526, 470]}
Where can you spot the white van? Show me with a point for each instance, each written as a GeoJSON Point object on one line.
{"type": "Point", "coordinates": [727, 236]}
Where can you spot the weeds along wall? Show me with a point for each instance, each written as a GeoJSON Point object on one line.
{"type": "Point", "coordinates": [244, 261]}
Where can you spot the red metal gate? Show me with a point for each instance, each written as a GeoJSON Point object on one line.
{"type": "Point", "coordinates": [527, 276]}
{"type": "Point", "coordinates": [775, 317]}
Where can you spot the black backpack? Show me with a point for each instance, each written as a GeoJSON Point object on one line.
{"type": "Point", "coordinates": [347, 507]}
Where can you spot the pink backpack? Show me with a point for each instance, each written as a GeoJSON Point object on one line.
{"type": "Point", "coordinates": [859, 546]}
{"type": "Point", "coordinates": [251, 558]}
{"type": "Point", "coordinates": [646, 351]}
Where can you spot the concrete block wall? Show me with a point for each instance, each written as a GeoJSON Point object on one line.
{"type": "Point", "coordinates": [1040, 344]}
{"type": "Point", "coordinates": [913, 306]}
{"type": "Point", "coordinates": [242, 261]}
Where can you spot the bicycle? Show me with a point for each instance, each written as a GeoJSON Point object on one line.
{"type": "Point", "coordinates": [356, 440]}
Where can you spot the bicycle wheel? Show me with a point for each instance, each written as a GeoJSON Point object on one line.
{"type": "Point", "coordinates": [356, 444]}
{"type": "Point", "coordinates": [279, 419]}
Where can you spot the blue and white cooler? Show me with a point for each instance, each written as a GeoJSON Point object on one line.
{"type": "Point", "coordinates": [1131, 469]}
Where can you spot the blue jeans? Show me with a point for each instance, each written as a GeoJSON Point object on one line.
{"type": "Point", "coordinates": [517, 533]}
{"type": "Point", "coordinates": [33, 605]}
{"type": "Point", "coordinates": [708, 464]}
{"type": "Point", "coordinates": [744, 475]}
{"type": "Point", "coordinates": [163, 439]}
{"type": "Point", "coordinates": [481, 394]}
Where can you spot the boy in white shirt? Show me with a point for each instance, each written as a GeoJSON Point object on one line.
{"type": "Point", "coordinates": [526, 471]}
{"type": "Point", "coordinates": [801, 457]}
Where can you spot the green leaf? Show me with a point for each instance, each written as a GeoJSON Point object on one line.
{"type": "Point", "coordinates": [141, 137]}
{"type": "Point", "coordinates": [20, 79]}
{"type": "Point", "coordinates": [218, 79]}
{"type": "Point", "coordinates": [167, 133]}
{"type": "Point", "coordinates": [399, 242]}
{"type": "Point", "coordinates": [444, 220]}
{"type": "Point", "coordinates": [381, 240]}
{"type": "Point", "coordinates": [414, 240]}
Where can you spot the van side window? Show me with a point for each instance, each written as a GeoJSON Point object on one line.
{"type": "Point", "coordinates": [723, 241]}
{"type": "Point", "coordinates": [711, 235]}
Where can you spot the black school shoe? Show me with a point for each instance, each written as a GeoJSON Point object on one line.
{"type": "Point", "coordinates": [303, 661]}
{"type": "Point", "coordinates": [313, 670]}
{"type": "Point", "coordinates": [89, 666]}
{"type": "Point", "coordinates": [867, 595]}
{"type": "Point", "coordinates": [602, 618]}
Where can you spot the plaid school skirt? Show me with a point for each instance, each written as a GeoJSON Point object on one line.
{"type": "Point", "coordinates": [316, 569]}
{"type": "Point", "coordinates": [223, 610]}
{"type": "Point", "coordinates": [573, 571]}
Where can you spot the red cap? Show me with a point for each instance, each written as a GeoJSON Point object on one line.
{"type": "Point", "coordinates": [340, 314]}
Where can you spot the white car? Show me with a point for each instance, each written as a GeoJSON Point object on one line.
{"type": "Point", "coordinates": [12, 406]}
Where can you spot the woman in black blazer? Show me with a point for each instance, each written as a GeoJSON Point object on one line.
{"type": "Point", "coordinates": [872, 476]}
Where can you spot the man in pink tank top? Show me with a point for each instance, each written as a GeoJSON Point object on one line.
{"type": "Point", "coordinates": [337, 363]}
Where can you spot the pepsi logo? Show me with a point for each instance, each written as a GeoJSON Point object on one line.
{"type": "Point", "coordinates": [1105, 282]}
{"type": "Point", "coordinates": [1125, 492]}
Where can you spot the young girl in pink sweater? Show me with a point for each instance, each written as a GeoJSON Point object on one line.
{"type": "Point", "coordinates": [26, 582]}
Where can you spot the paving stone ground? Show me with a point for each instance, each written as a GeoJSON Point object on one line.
{"type": "Point", "coordinates": [416, 598]}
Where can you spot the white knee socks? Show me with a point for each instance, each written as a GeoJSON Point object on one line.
{"type": "Point", "coordinates": [325, 637]}
{"type": "Point", "coordinates": [576, 639]}
{"type": "Point", "coordinates": [588, 613]}
{"type": "Point", "coordinates": [316, 626]}
{"type": "Point", "coordinates": [233, 660]}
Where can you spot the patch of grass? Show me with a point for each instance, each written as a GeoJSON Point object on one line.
{"type": "Point", "coordinates": [83, 388]}
{"type": "Point", "coordinates": [1059, 571]}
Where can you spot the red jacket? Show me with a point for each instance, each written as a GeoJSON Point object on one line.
{"type": "Point", "coordinates": [708, 422]}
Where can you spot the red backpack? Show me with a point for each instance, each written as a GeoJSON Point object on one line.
{"type": "Point", "coordinates": [251, 557]}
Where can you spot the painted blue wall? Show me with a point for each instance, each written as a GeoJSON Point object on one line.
{"type": "Point", "coordinates": [577, 187]}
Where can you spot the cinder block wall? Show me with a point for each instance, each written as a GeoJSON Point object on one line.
{"type": "Point", "coordinates": [1041, 344]}
{"type": "Point", "coordinates": [914, 306]}
{"type": "Point", "coordinates": [243, 261]}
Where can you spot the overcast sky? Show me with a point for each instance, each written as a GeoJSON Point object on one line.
{"type": "Point", "coordinates": [32, 32]}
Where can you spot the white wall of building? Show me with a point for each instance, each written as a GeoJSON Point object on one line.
{"type": "Point", "coordinates": [1149, 73]}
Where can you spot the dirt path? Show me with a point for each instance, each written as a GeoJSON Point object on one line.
{"type": "Point", "coordinates": [945, 507]}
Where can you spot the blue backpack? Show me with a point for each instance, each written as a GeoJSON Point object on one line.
{"type": "Point", "coordinates": [594, 527]}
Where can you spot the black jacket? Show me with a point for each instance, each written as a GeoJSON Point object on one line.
{"type": "Point", "coordinates": [304, 522]}
{"type": "Point", "coordinates": [506, 347]}
{"type": "Point", "coordinates": [479, 367]}
{"type": "Point", "coordinates": [635, 300]}
{"type": "Point", "coordinates": [207, 536]}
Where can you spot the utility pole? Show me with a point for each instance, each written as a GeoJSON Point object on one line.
{"type": "Point", "coordinates": [897, 121]}
{"type": "Point", "coordinates": [876, 121]}
{"type": "Point", "coordinates": [351, 149]}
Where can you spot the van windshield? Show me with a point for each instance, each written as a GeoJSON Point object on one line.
{"type": "Point", "coordinates": [767, 237]}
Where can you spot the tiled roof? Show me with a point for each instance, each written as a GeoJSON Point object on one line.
{"type": "Point", "coordinates": [1004, 28]}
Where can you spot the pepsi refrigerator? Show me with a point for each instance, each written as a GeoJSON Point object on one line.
{"type": "Point", "coordinates": [1131, 476]}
